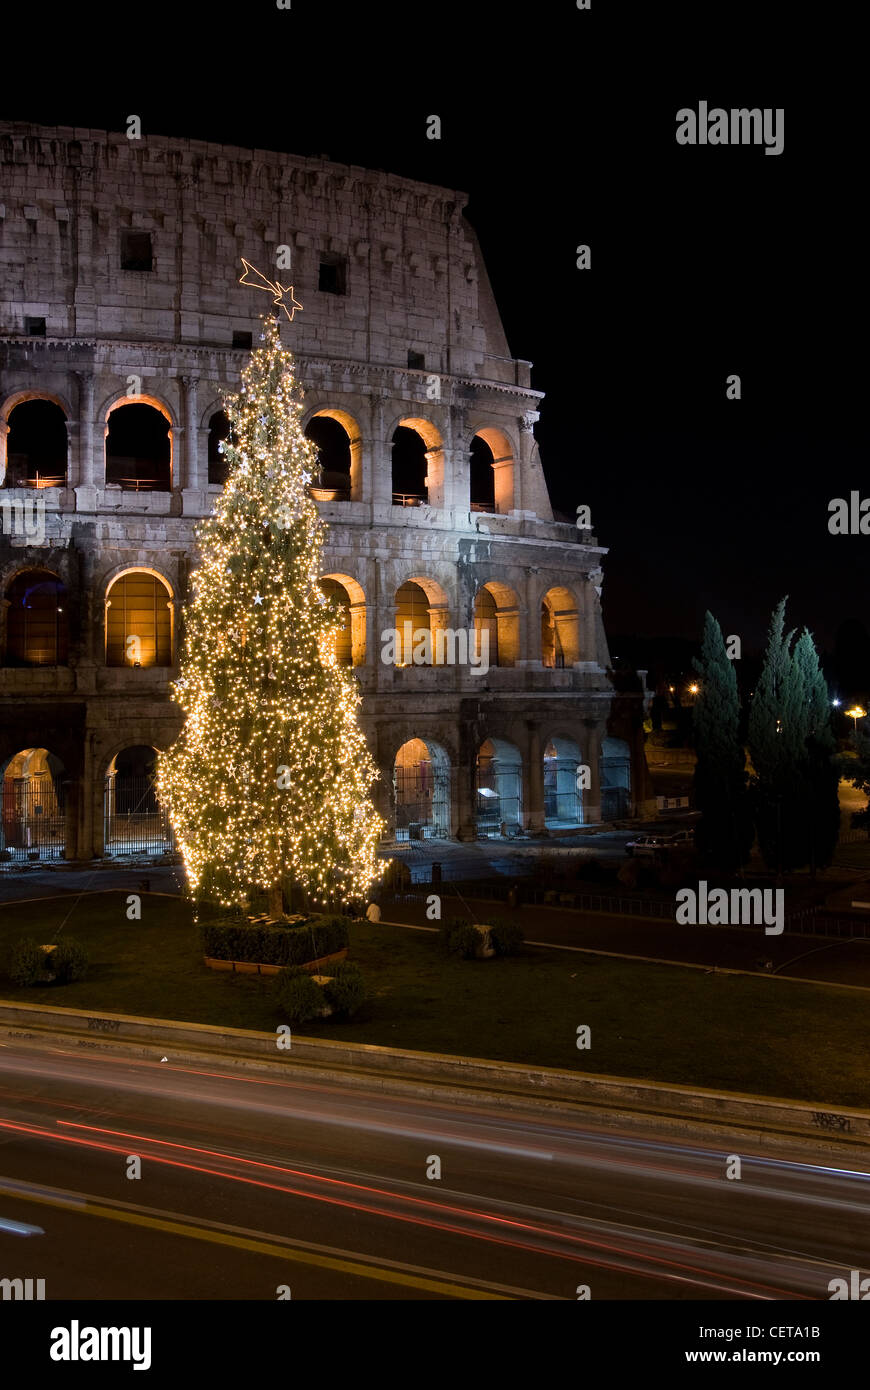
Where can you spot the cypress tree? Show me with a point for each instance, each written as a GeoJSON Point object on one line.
{"type": "Point", "coordinates": [724, 834]}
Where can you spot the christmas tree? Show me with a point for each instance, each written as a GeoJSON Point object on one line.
{"type": "Point", "coordinates": [268, 784]}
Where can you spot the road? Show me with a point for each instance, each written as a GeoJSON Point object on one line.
{"type": "Point", "coordinates": [250, 1182]}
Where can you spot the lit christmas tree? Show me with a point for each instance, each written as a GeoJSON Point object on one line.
{"type": "Point", "coordinates": [270, 777]}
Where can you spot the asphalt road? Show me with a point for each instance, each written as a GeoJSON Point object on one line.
{"type": "Point", "coordinates": [252, 1182]}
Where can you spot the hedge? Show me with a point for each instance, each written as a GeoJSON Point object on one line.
{"type": "Point", "coordinates": [274, 945]}
{"type": "Point", "coordinates": [298, 997]}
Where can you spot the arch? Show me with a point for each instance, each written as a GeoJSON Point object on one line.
{"type": "Point", "coordinates": [350, 596]}
{"type": "Point", "coordinates": [139, 619]}
{"type": "Point", "coordinates": [219, 431]}
{"type": "Point", "coordinates": [139, 445]}
{"type": "Point", "coordinates": [35, 441]}
{"type": "Point", "coordinates": [560, 628]}
{"type": "Point", "coordinates": [563, 800]}
{"type": "Point", "coordinates": [134, 822]}
{"type": "Point", "coordinates": [37, 632]}
{"type": "Point", "coordinates": [421, 790]}
{"type": "Point", "coordinates": [615, 774]}
{"type": "Point", "coordinates": [33, 805]}
{"type": "Point", "coordinates": [417, 462]}
{"type": "Point", "coordinates": [497, 612]}
{"type": "Point", "coordinates": [502, 461]}
{"type": "Point", "coordinates": [421, 612]}
{"type": "Point", "coordinates": [344, 458]}
{"type": "Point", "coordinates": [498, 783]}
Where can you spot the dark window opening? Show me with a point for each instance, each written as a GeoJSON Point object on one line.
{"type": "Point", "coordinates": [219, 433]}
{"type": "Point", "coordinates": [34, 328]}
{"type": "Point", "coordinates": [416, 361]}
{"type": "Point", "coordinates": [36, 445]}
{"type": "Point", "coordinates": [482, 476]}
{"type": "Point", "coordinates": [138, 450]}
{"type": "Point", "coordinates": [410, 467]}
{"type": "Point", "coordinates": [333, 275]}
{"type": "Point", "coordinates": [36, 621]}
{"type": "Point", "coordinates": [136, 251]}
{"type": "Point", "coordinates": [242, 340]}
{"type": "Point", "coordinates": [333, 447]}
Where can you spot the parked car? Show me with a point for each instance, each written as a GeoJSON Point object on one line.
{"type": "Point", "coordinates": [654, 844]}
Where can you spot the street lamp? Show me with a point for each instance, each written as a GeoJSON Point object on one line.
{"type": "Point", "coordinates": [856, 713]}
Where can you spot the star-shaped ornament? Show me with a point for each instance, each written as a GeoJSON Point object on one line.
{"type": "Point", "coordinates": [258, 598]}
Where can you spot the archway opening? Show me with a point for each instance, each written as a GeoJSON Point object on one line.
{"type": "Point", "coordinates": [421, 787]}
{"type": "Point", "coordinates": [615, 771]}
{"type": "Point", "coordinates": [563, 802]}
{"type": "Point", "coordinates": [497, 613]}
{"type": "Point", "coordinates": [220, 433]}
{"type": "Point", "coordinates": [492, 471]}
{"type": "Point", "coordinates": [33, 806]}
{"type": "Point", "coordinates": [333, 447]}
{"type": "Point", "coordinates": [410, 468]}
{"type": "Point", "coordinates": [36, 620]}
{"type": "Point", "coordinates": [139, 449]}
{"type": "Point", "coordinates": [414, 626]}
{"type": "Point", "coordinates": [134, 820]}
{"type": "Point", "coordinates": [560, 629]}
{"type": "Point", "coordinates": [36, 447]}
{"type": "Point", "coordinates": [138, 621]}
{"type": "Point", "coordinates": [340, 598]}
{"type": "Point", "coordinates": [482, 476]}
{"type": "Point", "coordinates": [499, 788]}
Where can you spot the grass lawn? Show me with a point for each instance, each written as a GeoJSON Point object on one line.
{"type": "Point", "coordinates": [663, 1023]}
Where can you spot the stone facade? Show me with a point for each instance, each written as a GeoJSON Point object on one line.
{"type": "Point", "coordinates": [404, 282]}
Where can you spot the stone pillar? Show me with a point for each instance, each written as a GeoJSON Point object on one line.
{"type": "Point", "coordinates": [71, 819]}
{"type": "Point", "coordinates": [4, 611]}
{"type": "Point", "coordinates": [533, 783]}
{"type": "Point", "coordinates": [439, 621]}
{"type": "Point", "coordinates": [530, 616]}
{"type": "Point", "coordinates": [377, 459]}
{"type": "Point", "coordinates": [505, 485]}
{"type": "Point", "coordinates": [592, 758]}
{"type": "Point", "coordinates": [464, 816]}
{"type": "Point", "coordinates": [89, 478]}
{"type": "Point", "coordinates": [358, 644]}
{"type": "Point", "coordinates": [193, 476]}
{"type": "Point", "coordinates": [90, 806]}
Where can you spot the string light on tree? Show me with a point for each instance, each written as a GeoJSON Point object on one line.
{"type": "Point", "coordinates": [260, 685]}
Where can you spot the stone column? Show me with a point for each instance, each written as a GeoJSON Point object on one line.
{"type": "Point", "coordinates": [89, 477]}
{"type": "Point", "coordinates": [533, 783]}
{"type": "Point", "coordinates": [4, 611]}
{"type": "Point", "coordinates": [377, 459]}
{"type": "Point", "coordinates": [463, 811]}
{"type": "Point", "coordinates": [358, 645]}
{"type": "Point", "coordinates": [194, 485]}
{"type": "Point", "coordinates": [592, 758]}
{"type": "Point", "coordinates": [439, 621]}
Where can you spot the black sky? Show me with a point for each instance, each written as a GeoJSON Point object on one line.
{"type": "Point", "coordinates": [560, 125]}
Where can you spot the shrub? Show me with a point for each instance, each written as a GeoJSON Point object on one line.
{"type": "Point", "coordinates": [458, 938]}
{"type": "Point", "coordinates": [27, 963]}
{"type": "Point", "coordinates": [507, 937]}
{"type": "Point", "coordinates": [298, 997]}
{"type": "Point", "coordinates": [346, 991]}
{"type": "Point", "coordinates": [275, 945]}
{"type": "Point", "coordinates": [68, 960]}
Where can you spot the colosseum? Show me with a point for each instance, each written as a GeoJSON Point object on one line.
{"type": "Point", "coordinates": [122, 326]}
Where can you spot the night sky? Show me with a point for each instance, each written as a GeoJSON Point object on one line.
{"type": "Point", "coordinates": [560, 126]}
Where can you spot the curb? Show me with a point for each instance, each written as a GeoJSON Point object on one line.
{"type": "Point", "coordinates": [501, 1082]}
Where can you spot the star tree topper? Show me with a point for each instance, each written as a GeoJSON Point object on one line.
{"type": "Point", "coordinates": [260, 282]}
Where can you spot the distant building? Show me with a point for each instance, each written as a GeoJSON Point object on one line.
{"type": "Point", "coordinates": [122, 323]}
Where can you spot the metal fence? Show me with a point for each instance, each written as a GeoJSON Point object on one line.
{"type": "Point", "coordinates": [134, 821]}
{"type": "Point", "coordinates": [34, 818]}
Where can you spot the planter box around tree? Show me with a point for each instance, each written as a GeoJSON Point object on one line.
{"type": "Point", "coordinates": [264, 946]}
